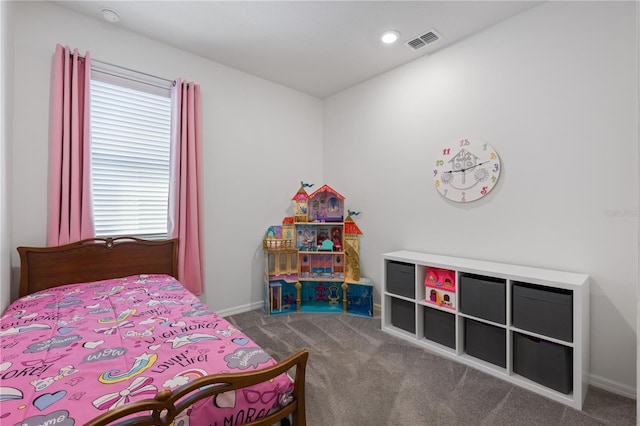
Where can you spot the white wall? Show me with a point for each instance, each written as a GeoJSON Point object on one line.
{"type": "Point", "coordinates": [255, 134]}
{"type": "Point", "coordinates": [638, 292]}
{"type": "Point", "coordinates": [6, 117]}
{"type": "Point", "coordinates": [554, 90]}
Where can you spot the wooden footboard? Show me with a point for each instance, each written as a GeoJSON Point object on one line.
{"type": "Point", "coordinates": [161, 410]}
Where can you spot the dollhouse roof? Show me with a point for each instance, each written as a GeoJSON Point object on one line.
{"type": "Point", "coordinates": [350, 227]}
{"type": "Point", "coordinates": [287, 220]}
{"type": "Point", "coordinates": [327, 188]}
{"type": "Point", "coordinates": [301, 195]}
{"type": "Point", "coordinates": [271, 232]}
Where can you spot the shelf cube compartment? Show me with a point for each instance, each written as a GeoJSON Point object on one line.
{"type": "Point", "coordinates": [483, 297]}
{"type": "Point", "coordinates": [486, 342]}
{"type": "Point", "coordinates": [440, 327]}
{"type": "Point", "coordinates": [401, 278]}
{"type": "Point", "coordinates": [543, 310]}
{"type": "Point", "coordinates": [547, 363]}
{"type": "Point", "coordinates": [403, 314]}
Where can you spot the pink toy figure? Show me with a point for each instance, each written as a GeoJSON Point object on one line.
{"type": "Point", "coordinates": [323, 212]}
{"type": "Point", "coordinates": [321, 293]}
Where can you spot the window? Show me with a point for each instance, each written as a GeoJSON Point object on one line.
{"type": "Point", "coordinates": [130, 152]}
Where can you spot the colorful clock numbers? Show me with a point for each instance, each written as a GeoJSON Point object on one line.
{"type": "Point", "coordinates": [466, 170]}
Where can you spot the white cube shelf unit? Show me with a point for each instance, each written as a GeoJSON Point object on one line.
{"type": "Point", "coordinates": [528, 326]}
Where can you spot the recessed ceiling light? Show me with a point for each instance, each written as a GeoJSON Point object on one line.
{"type": "Point", "coordinates": [390, 37]}
{"type": "Point", "coordinates": [110, 15]}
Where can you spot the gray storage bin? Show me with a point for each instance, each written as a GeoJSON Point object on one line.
{"type": "Point", "coordinates": [486, 342]}
{"type": "Point", "coordinates": [547, 363]}
{"type": "Point", "coordinates": [403, 314]}
{"type": "Point", "coordinates": [483, 297]}
{"type": "Point", "coordinates": [401, 278]}
{"type": "Point", "coordinates": [543, 310]}
{"type": "Point", "coordinates": [440, 327]}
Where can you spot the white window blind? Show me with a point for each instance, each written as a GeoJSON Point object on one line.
{"type": "Point", "coordinates": [130, 152]}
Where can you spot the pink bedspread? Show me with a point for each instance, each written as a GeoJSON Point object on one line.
{"type": "Point", "coordinates": [70, 353]}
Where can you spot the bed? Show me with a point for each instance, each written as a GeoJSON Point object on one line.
{"type": "Point", "coordinates": [104, 334]}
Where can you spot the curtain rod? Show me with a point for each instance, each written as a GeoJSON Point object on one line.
{"type": "Point", "coordinates": [134, 71]}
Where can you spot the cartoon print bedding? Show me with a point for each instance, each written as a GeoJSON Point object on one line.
{"type": "Point", "coordinates": [72, 352]}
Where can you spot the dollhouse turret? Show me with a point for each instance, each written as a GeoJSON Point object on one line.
{"type": "Point", "coordinates": [300, 203]}
{"type": "Point", "coordinates": [352, 249]}
{"type": "Point", "coordinates": [279, 245]}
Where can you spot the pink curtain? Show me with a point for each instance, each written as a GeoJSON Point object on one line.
{"type": "Point", "coordinates": [69, 203]}
{"type": "Point", "coordinates": [185, 205]}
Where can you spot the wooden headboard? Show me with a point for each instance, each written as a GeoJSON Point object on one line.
{"type": "Point", "coordinates": [94, 259]}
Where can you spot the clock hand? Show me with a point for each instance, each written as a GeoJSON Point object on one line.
{"type": "Point", "coordinates": [479, 164]}
{"type": "Point", "coordinates": [468, 168]}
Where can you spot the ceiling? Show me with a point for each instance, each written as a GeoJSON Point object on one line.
{"type": "Point", "coordinates": [316, 47]}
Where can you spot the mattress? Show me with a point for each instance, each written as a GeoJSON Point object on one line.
{"type": "Point", "coordinates": [70, 353]}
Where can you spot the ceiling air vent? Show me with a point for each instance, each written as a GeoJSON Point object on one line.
{"type": "Point", "coordinates": [423, 39]}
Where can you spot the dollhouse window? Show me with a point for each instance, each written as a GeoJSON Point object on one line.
{"type": "Point", "coordinates": [272, 264]}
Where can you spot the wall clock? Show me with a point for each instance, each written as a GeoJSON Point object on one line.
{"type": "Point", "coordinates": [466, 170]}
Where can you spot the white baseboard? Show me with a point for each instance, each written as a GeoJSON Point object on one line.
{"type": "Point", "coordinates": [613, 387]}
{"type": "Point", "coordinates": [377, 309]}
{"type": "Point", "coordinates": [240, 309]}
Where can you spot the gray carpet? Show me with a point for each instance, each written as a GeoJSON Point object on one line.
{"type": "Point", "coordinates": [359, 375]}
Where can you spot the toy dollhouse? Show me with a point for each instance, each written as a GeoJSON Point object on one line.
{"type": "Point", "coordinates": [312, 260]}
{"type": "Point", "coordinates": [440, 286]}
